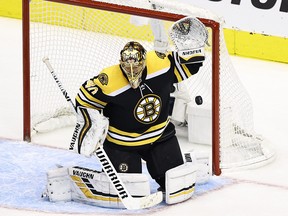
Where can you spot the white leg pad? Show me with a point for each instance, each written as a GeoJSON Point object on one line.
{"type": "Point", "coordinates": [203, 162]}
{"type": "Point", "coordinates": [58, 185]}
{"type": "Point", "coordinates": [94, 188]}
{"type": "Point", "coordinates": [180, 183]}
{"type": "Point", "coordinates": [91, 187]}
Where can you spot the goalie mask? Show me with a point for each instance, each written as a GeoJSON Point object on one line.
{"type": "Point", "coordinates": [133, 62]}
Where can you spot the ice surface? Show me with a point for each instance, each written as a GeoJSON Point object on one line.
{"type": "Point", "coordinates": [23, 178]}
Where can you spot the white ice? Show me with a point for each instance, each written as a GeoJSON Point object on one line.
{"type": "Point", "coordinates": [262, 191]}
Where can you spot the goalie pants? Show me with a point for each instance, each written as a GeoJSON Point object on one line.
{"type": "Point", "coordinates": [160, 156]}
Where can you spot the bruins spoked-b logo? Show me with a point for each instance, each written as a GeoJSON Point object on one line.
{"type": "Point", "coordinates": [103, 78]}
{"type": "Point", "coordinates": [123, 167]}
{"type": "Point", "coordinates": [148, 109]}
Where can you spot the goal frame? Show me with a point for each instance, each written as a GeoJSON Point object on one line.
{"type": "Point", "coordinates": [215, 29]}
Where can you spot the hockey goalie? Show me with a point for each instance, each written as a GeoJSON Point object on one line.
{"type": "Point", "coordinates": [125, 109]}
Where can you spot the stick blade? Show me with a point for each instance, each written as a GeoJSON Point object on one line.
{"type": "Point", "coordinates": [143, 202]}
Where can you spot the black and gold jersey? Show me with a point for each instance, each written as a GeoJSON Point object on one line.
{"type": "Point", "coordinates": [136, 116]}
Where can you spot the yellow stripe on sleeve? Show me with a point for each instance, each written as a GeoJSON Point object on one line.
{"type": "Point", "coordinates": [91, 98]}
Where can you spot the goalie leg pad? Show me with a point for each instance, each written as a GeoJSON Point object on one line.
{"type": "Point", "coordinates": [180, 183]}
{"type": "Point", "coordinates": [202, 160]}
{"type": "Point", "coordinates": [91, 187]}
{"type": "Point", "coordinates": [58, 185]}
{"type": "Point", "coordinates": [94, 188]}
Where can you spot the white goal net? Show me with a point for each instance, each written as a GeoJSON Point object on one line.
{"type": "Point", "coordinates": [83, 37]}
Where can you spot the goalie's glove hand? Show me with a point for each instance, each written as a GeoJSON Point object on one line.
{"type": "Point", "coordinates": [90, 131]}
{"type": "Point", "coordinates": [191, 56]}
{"type": "Point", "coordinates": [189, 36]}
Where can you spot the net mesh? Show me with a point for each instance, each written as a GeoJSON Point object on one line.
{"type": "Point", "coordinates": [81, 41]}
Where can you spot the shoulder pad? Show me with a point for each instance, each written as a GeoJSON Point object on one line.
{"type": "Point", "coordinates": [111, 79]}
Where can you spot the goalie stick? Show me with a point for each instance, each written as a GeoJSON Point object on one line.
{"type": "Point", "coordinates": [131, 203]}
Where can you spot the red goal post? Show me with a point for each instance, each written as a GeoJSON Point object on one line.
{"type": "Point", "coordinates": [39, 14]}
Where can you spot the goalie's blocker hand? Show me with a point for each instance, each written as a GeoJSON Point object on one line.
{"type": "Point", "coordinates": [90, 131]}
{"type": "Point", "coordinates": [189, 36]}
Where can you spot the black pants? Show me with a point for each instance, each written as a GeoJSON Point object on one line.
{"type": "Point", "coordinates": [159, 156]}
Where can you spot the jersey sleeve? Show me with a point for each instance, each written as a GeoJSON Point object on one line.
{"type": "Point", "coordinates": [183, 71]}
{"type": "Point", "coordinates": [90, 95]}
